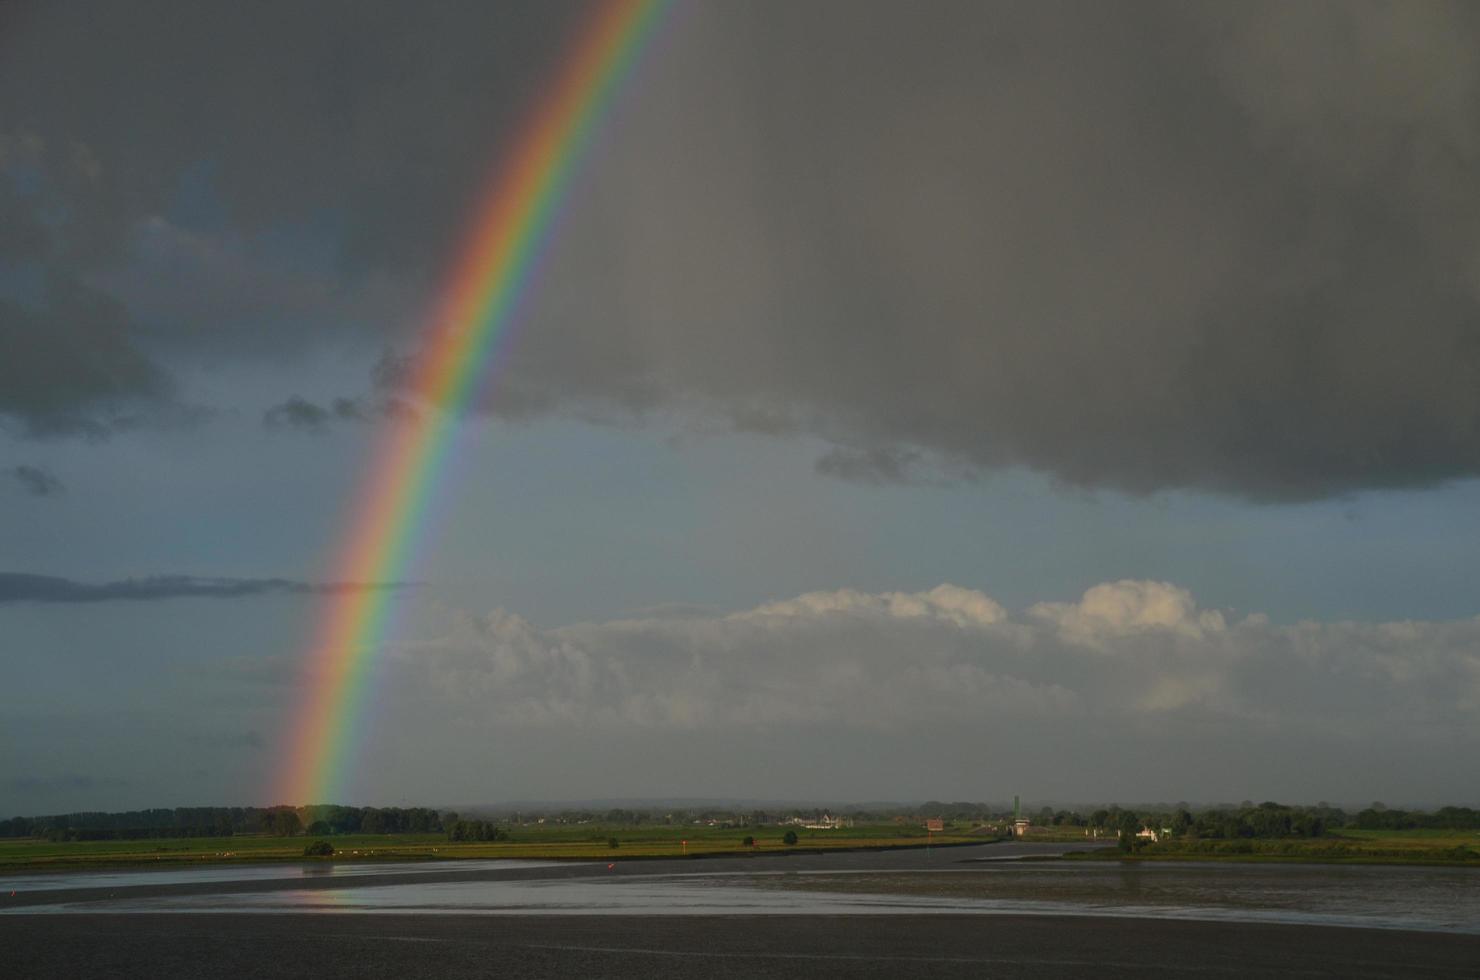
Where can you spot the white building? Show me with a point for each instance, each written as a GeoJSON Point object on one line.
{"type": "Point", "coordinates": [825, 822]}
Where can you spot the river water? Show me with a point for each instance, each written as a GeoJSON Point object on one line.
{"type": "Point", "coordinates": [965, 880]}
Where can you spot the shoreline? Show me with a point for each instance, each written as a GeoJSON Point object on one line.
{"type": "Point", "coordinates": [420, 853]}
{"type": "Point", "coordinates": [64, 865]}
{"type": "Point", "coordinates": [1273, 859]}
{"type": "Point", "coordinates": [1103, 855]}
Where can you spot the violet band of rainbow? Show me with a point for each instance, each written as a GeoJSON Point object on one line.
{"type": "Point", "coordinates": [474, 311]}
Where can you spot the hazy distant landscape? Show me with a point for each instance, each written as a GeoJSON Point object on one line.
{"type": "Point", "coordinates": [1269, 831]}
{"type": "Point", "coordinates": [766, 489]}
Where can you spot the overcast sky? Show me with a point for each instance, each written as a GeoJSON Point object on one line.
{"type": "Point", "coordinates": [953, 400]}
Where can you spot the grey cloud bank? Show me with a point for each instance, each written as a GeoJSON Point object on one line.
{"type": "Point", "coordinates": [73, 368]}
{"type": "Point", "coordinates": [21, 587]}
{"type": "Point", "coordinates": [851, 685]}
{"type": "Point", "coordinates": [300, 414]}
{"type": "Point", "coordinates": [1133, 691]}
{"type": "Point", "coordinates": [1141, 246]}
{"type": "Point", "coordinates": [36, 481]}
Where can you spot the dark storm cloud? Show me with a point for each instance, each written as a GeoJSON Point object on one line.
{"type": "Point", "coordinates": [73, 363]}
{"type": "Point", "coordinates": [149, 157]}
{"type": "Point", "coordinates": [348, 410]}
{"type": "Point", "coordinates": [296, 413]}
{"type": "Point", "coordinates": [19, 587]}
{"type": "Point", "coordinates": [1142, 245]}
{"type": "Point", "coordinates": [1133, 246]}
{"type": "Point", "coordinates": [36, 481]}
{"type": "Point", "coordinates": [877, 466]}
{"type": "Point", "coordinates": [883, 466]}
{"type": "Point", "coordinates": [343, 118]}
{"type": "Point", "coordinates": [72, 367]}
{"type": "Point", "coordinates": [304, 415]}
{"type": "Point", "coordinates": [62, 782]}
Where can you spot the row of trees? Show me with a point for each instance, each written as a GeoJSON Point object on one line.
{"type": "Point", "coordinates": [474, 830]}
{"type": "Point", "coordinates": [279, 821]}
{"type": "Point", "coordinates": [1246, 820]}
{"type": "Point", "coordinates": [1445, 818]}
{"type": "Point", "coordinates": [740, 817]}
{"type": "Point", "coordinates": [1265, 820]}
{"type": "Point", "coordinates": [329, 819]}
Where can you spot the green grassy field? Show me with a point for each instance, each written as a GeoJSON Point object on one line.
{"type": "Point", "coordinates": [1446, 847]}
{"type": "Point", "coordinates": [584, 841]}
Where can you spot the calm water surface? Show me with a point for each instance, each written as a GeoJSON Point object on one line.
{"type": "Point", "coordinates": [1435, 899]}
{"type": "Point", "coordinates": [227, 873]}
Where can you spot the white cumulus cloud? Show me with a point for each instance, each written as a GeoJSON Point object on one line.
{"type": "Point", "coordinates": [1126, 607]}
{"type": "Point", "coordinates": [1126, 651]}
{"type": "Point", "coordinates": [1133, 688]}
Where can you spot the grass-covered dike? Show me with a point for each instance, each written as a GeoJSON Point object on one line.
{"type": "Point", "coordinates": [1427, 847]}
{"type": "Point", "coordinates": [546, 842]}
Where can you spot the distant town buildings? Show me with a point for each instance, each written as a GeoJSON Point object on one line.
{"type": "Point", "coordinates": [1020, 823]}
{"type": "Point", "coordinates": [825, 822]}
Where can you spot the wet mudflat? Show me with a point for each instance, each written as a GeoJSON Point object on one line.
{"type": "Point", "coordinates": [1365, 896]}
{"type": "Point", "coordinates": [410, 886]}
{"type": "Point", "coordinates": [454, 946]}
{"type": "Point", "coordinates": [946, 881]}
{"type": "Point", "coordinates": [958, 911]}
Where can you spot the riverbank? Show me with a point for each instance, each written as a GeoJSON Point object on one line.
{"type": "Point", "coordinates": [30, 855]}
{"type": "Point", "coordinates": [1442, 849]}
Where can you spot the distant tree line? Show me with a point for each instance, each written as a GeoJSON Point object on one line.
{"type": "Point", "coordinates": [1231, 822]}
{"type": "Point", "coordinates": [119, 833]}
{"type": "Point", "coordinates": [329, 819]}
{"type": "Point", "coordinates": [739, 817]}
{"type": "Point", "coordinates": [473, 830]}
{"type": "Point", "coordinates": [280, 821]}
{"type": "Point", "coordinates": [1265, 820]}
{"type": "Point", "coordinates": [1445, 818]}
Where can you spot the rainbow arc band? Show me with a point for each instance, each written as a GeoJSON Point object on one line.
{"type": "Point", "coordinates": [474, 312]}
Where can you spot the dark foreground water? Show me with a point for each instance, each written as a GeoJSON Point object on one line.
{"type": "Point", "coordinates": [678, 947]}
{"type": "Point", "coordinates": [946, 881]}
{"type": "Point", "coordinates": [962, 912]}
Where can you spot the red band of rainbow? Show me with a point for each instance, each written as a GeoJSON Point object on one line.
{"type": "Point", "coordinates": [475, 308]}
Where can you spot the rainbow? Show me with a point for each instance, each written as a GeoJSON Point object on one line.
{"type": "Point", "coordinates": [480, 299]}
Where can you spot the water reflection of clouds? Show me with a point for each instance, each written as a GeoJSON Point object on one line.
{"type": "Point", "coordinates": [226, 873]}
{"type": "Point", "coordinates": [1436, 899]}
